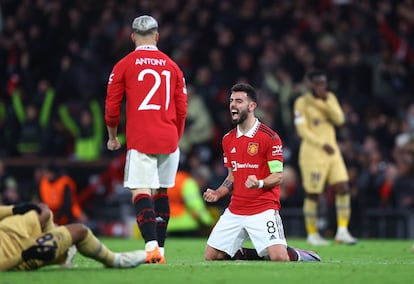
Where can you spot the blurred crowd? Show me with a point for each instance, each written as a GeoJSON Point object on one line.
{"type": "Point", "coordinates": [56, 55]}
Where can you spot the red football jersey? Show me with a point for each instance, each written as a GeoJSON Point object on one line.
{"type": "Point", "coordinates": [156, 100]}
{"type": "Point", "coordinates": [249, 154]}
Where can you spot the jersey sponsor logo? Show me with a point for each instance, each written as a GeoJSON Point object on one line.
{"type": "Point", "coordinates": [233, 150]}
{"type": "Point", "coordinates": [277, 150]}
{"type": "Point", "coordinates": [252, 148]}
{"type": "Point", "coordinates": [235, 166]}
{"type": "Point", "coordinates": [150, 61]}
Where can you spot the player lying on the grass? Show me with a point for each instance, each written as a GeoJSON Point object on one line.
{"type": "Point", "coordinates": [253, 154]}
{"type": "Point", "coordinates": [30, 240]}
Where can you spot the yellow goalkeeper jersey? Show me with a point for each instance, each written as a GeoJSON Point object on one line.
{"type": "Point", "coordinates": [315, 121]}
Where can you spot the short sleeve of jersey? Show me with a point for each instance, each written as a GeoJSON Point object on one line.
{"type": "Point", "coordinates": [115, 92]}
{"type": "Point", "coordinates": [275, 154]}
{"type": "Point", "coordinates": [225, 146]}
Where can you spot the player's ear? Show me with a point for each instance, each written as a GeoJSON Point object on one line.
{"type": "Point", "coordinates": [157, 37]}
{"type": "Point", "coordinates": [133, 37]}
{"type": "Point", "coordinates": [252, 105]}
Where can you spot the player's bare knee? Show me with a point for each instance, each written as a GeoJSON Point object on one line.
{"type": "Point", "coordinates": [209, 256]}
{"type": "Point", "coordinates": [213, 254]}
{"type": "Point", "coordinates": [78, 232]}
{"type": "Point", "coordinates": [341, 188]}
{"type": "Point", "coordinates": [312, 196]}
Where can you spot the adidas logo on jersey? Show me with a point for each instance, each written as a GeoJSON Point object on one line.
{"type": "Point", "coordinates": [272, 237]}
{"type": "Point", "coordinates": [233, 150]}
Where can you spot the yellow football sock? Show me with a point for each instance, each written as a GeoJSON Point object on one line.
{"type": "Point", "coordinates": [343, 210]}
{"type": "Point", "coordinates": [92, 247]}
{"type": "Point", "coordinates": [310, 211]}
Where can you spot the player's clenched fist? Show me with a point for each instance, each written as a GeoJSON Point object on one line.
{"type": "Point", "coordinates": [252, 182]}
{"type": "Point", "coordinates": [211, 195]}
{"type": "Point", "coordinates": [113, 144]}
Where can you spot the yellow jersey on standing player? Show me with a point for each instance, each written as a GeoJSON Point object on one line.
{"type": "Point", "coordinates": [315, 121]}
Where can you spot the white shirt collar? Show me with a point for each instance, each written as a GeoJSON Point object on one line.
{"type": "Point", "coordinates": [146, 47]}
{"type": "Point", "coordinates": [252, 131]}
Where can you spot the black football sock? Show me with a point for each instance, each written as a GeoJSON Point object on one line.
{"type": "Point", "coordinates": [247, 254]}
{"type": "Point", "coordinates": [145, 217]}
{"type": "Point", "coordinates": [162, 213]}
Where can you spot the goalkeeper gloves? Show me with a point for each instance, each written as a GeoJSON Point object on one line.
{"type": "Point", "coordinates": [40, 252]}
{"type": "Point", "coordinates": [25, 207]}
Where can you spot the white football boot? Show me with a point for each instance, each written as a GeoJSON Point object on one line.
{"type": "Point", "coordinates": [317, 240]}
{"type": "Point", "coordinates": [129, 259]}
{"type": "Point", "coordinates": [344, 237]}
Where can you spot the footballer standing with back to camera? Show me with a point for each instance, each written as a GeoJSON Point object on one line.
{"type": "Point", "coordinates": [156, 109]}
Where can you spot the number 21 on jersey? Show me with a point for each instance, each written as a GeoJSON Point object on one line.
{"type": "Point", "coordinates": [158, 77]}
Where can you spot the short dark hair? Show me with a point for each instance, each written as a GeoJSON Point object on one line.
{"type": "Point", "coordinates": [315, 73]}
{"type": "Point", "coordinates": [247, 88]}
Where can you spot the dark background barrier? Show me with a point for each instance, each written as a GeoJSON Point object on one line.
{"type": "Point", "coordinates": [373, 223]}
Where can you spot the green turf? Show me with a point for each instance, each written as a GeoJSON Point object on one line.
{"type": "Point", "coordinates": [370, 261]}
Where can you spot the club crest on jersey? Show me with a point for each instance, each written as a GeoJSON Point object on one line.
{"type": "Point", "coordinates": [252, 148]}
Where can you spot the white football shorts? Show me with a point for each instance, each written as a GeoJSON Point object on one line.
{"type": "Point", "coordinates": [231, 231]}
{"type": "Point", "coordinates": [150, 170]}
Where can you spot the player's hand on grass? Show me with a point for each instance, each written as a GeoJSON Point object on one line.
{"type": "Point", "coordinates": [25, 207]}
{"type": "Point", "coordinates": [40, 252]}
{"type": "Point", "coordinates": [328, 149]}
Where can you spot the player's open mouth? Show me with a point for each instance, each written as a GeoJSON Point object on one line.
{"type": "Point", "coordinates": [234, 112]}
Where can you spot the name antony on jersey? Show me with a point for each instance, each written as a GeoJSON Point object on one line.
{"type": "Point", "coordinates": [150, 61]}
{"type": "Point", "coordinates": [142, 61]}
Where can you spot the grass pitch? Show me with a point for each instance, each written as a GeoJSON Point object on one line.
{"type": "Point", "coordinates": [370, 261]}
